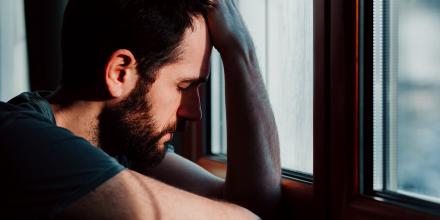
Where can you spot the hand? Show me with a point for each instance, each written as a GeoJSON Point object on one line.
{"type": "Point", "coordinates": [226, 25]}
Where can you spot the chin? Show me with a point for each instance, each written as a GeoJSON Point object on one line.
{"type": "Point", "coordinates": [164, 139]}
{"type": "Point", "coordinates": [161, 146]}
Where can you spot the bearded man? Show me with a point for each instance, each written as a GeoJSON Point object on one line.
{"type": "Point", "coordinates": [96, 148]}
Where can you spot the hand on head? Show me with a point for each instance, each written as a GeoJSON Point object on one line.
{"type": "Point", "coordinates": [226, 25]}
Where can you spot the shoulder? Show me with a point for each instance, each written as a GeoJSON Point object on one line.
{"type": "Point", "coordinates": [47, 167]}
{"type": "Point", "coordinates": [26, 128]}
{"type": "Point", "coordinates": [13, 117]}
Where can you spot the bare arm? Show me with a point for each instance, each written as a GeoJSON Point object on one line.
{"type": "Point", "coordinates": [130, 195]}
{"type": "Point", "coordinates": [254, 173]}
{"type": "Point", "coordinates": [184, 174]}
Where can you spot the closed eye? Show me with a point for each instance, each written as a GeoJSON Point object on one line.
{"type": "Point", "coordinates": [183, 86]}
{"type": "Point", "coordinates": [188, 83]}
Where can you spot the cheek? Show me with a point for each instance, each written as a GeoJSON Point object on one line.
{"type": "Point", "coordinates": [165, 103]}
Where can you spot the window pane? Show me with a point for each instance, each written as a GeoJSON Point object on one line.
{"type": "Point", "coordinates": [406, 97]}
{"type": "Point", "coordinates": [283, 34]}
{"type": "Point", "coordinates": [13, 49]}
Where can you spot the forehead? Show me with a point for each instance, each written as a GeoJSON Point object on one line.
{"type": "Point", "coordinates": [195, 52]}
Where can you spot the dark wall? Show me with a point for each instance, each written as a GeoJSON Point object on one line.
{"type": "Point", "coordinates": [43, 27]}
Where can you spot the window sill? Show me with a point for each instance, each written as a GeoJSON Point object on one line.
{"type": "Point", "coordinates": [364, 207]}
{"type": "Point", "coordinates": [297, 195]}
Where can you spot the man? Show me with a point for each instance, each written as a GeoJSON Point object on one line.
{"type": "Point", "coordinates": [131, 73]}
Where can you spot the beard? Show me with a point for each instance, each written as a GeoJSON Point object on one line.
{"type": "Point", "coordinates": [128, 129]}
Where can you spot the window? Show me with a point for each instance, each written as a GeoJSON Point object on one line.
{"type": "Point", "coordinates": [361, 99]}
{"type": "Point", "coordinates": [13, 53]}
{"type": "Point", "coordinates": [406, 104]}
{"type": "Point", "coordinates": [283, 36]}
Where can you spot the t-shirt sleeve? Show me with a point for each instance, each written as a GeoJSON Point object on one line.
{"type": "Point", "coordinates": [48, 168]}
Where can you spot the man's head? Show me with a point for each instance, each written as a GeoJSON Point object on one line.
{"type": "Point", "coordinates": [149, 58]}
{"type": "Point", "coordinates": [150, 29]}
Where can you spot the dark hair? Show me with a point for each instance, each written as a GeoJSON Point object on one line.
{"type": "Point", "coordinates": [151, 29]}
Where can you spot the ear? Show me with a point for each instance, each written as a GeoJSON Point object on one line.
{"type": "Point", "coordinates": [120, 73]}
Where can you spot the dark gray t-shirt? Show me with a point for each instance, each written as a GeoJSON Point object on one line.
{"type": "Point", "coordinates": [45, 168]}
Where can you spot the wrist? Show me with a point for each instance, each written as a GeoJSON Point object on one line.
{"type": "Point", "coordinates": [239, 56]}
{"type": "Point", "coordinates": [238, 42]}
{"type": "Point", "coordinates": [237, 49]}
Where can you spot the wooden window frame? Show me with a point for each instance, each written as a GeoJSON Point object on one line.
{"type": "Point", "coordinates": [336, 191]}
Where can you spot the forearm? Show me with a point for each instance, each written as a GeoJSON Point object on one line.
{"type": "Point", "coordinates": [254, 174]}
{"type": "Point", "coordinates": [130, 195]}
{"type": "Point", "coordinates": [172, 203]}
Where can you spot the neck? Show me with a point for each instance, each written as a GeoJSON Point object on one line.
{"type": "Point", "coordinates": [80, 116]}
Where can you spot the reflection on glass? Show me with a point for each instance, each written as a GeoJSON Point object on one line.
{"type": "Point", "coordinates": [407, 92]}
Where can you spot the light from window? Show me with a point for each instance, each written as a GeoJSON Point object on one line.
{"type": "Point", "coordinates": [283, 35]}
{"type": "Point", "coordinates": [407, 98]}
{"type": "Point", "coordinates": [13, 52]}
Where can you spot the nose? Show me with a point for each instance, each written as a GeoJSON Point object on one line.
{"type": "Point", "coordinates": [190, 106]}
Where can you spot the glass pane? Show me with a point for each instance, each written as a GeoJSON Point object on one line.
{"type": "Point", "coordinates": [283, 34]}
{"type": "Point", "coordinates": [406, 97]}
{"type": "Point", "coordinates": [13, 50]}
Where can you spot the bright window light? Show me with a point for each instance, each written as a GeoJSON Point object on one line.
{"type": "Point", "coordinates": [13, 50]}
